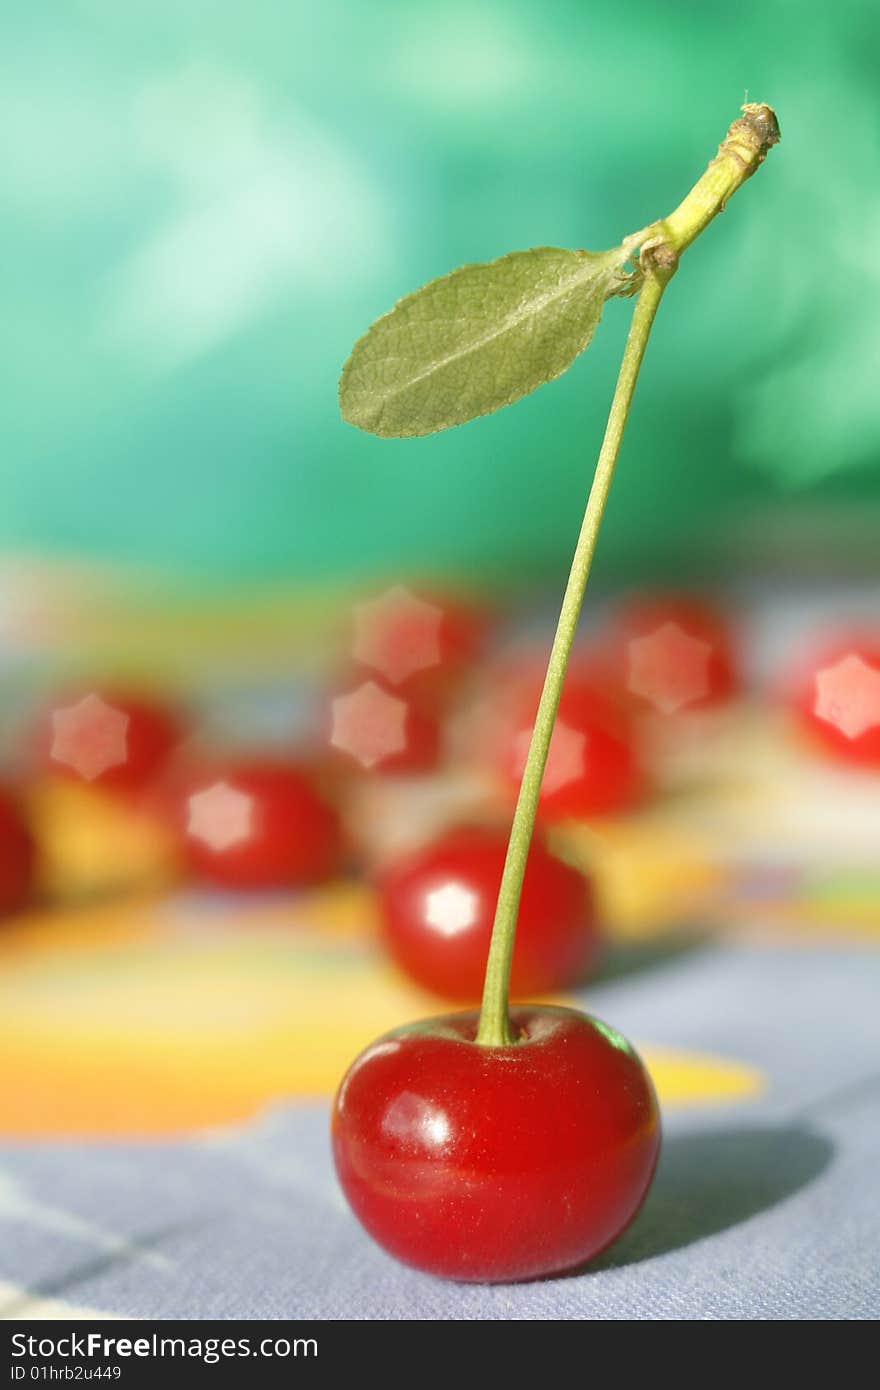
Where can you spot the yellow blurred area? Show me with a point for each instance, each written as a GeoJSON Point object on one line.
{"type": "Point", "coordinates": [92, 843]}
{"type": "Point", "coordinates": [149, 1019]}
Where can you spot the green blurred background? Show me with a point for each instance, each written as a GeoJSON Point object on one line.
{"type": "Point", "coordinates": [204, 203]}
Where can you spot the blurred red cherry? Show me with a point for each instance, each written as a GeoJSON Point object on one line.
{"type": "Point", "coordinates": [437, 907]}
{"type": "Point", "coordinates": [17, 855]}
{"type": "Point", "coordinates": [593, 767]}
{"type": "Point", "coordinates": [837, 698]}
{"type": "Point", "coordinates": [111, 739]}
{"type": "Point", "coordinates": [414, 643]}
{"type": "Point", "coordinates": [672, 654]}
{"type": "Point", "coordinates": [377, 729]}
{"type": "Point", "coordinates": [257, 823]}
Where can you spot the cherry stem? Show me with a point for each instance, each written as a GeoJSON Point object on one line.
{"type": "Point", "coordinates": [659, 245]}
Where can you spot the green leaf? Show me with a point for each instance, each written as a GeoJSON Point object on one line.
{"type": "Point", "coordinates": [478, 339]}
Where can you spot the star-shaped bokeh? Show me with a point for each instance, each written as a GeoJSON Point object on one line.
{"type": "Point", "coordinates": [566, 760]}
{"type": "Point", "coordinates": [369, 724]}
{"type": "Point", "coordinates": [848, 696]}
{"type": "Point", "coordinates": [397, 634]}
{"type": "Point", "coordinates": [89, 737]}
{"type": "Point", "coordinates": [669, 667]}
{"type": "Point", "coordinates": [220, 816]}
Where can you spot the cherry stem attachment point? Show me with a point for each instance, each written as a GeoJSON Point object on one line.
{"type": "Point", "coordinates": [743, 150]}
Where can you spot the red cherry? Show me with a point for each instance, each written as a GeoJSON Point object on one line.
{"type": "Point", "coordinates": [497, 1163]}
{"type": "Point", "coordinates": [374, 728]}
{"type": "Point", "coordinates": [837, 699]}
{"type": "Point", "coordinates": [258, 824]}
{"type": "Point", "coordinates": [113, 740]}
{"type": "Point", "coordinates": [593, 767]}
{"type": "Point", "coordinates": [415, 643]}
{"type": "Point", "coordinates": [672, 654]}
{"type": "Point", "coordinates": [438, 905]}
{"type": "Point", "coordinates": [16, 855]}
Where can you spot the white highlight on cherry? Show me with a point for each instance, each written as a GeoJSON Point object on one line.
{"type": "Point", "coordinates": [452, 908]}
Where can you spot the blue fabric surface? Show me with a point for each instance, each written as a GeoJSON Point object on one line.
{"type": "Point", "coordinates": [769, 1208]}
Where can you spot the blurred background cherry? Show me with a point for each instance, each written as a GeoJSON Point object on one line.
{"type": "Point", "coordinates": [377, 728]}
{"type": "Point", "coordinates": [256, 824]}
{"type": "Point", "coordinates": [835, 696]}
{"type": "Point", "coordinates": [671, 653]}
{"type": "Point", "coordinates": [437, 906]}
{"type": "Point", "coordinates": [419, 644]}
{"type": "Point", "coordinates": [17, 854]}
{"type": "Point", "coordinates": [594, 766]}
{"type": "Point", "coordinates": [116, 740]}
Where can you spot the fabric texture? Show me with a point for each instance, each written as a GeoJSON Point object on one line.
{"type": "Point", "coordinates": [763, 1209]}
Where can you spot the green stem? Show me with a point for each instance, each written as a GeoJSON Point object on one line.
{"type": "Point", "coordinates": [740, 154]}
{"type": "Point", "coordinates": [495, 1028]}
{"type": "Point", "coordinates": [745, 147]}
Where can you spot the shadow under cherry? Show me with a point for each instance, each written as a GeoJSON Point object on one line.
{"type": "Point", "coordinates": [623, 958]}
{"type": "Point", "coordinates": [711, 1180]}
